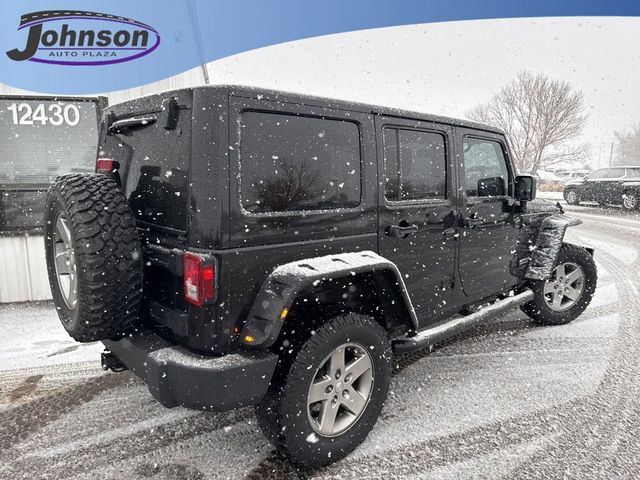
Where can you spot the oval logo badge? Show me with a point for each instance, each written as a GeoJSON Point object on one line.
{"type": "Point", "coordinates": [70, 37]}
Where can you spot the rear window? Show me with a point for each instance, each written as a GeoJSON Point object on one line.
{"type": "Point", "coordinates": [154, 164]}
{"type": "Point", "coordinates": [296, 163]}
{"type": "Point", "coordinates": [633, 172]}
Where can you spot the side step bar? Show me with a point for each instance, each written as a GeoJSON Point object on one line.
{"type": "Point", "coordinates": [436, 334]}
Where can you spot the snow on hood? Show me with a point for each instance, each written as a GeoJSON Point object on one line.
{"type": "Point", "coordinates": [540, 205]}
{"type": "Point", "coordinates": [576, 181]}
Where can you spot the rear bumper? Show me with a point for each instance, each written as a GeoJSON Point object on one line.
{"type": "Point", "coordinates": [177, 377]}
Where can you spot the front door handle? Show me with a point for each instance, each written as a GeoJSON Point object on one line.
{"type": "Point", "coordinates": [401, 231]}
{"type": "Point", "coordinates": [472, 222]}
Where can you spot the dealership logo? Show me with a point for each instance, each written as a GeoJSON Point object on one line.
{"type": "Point", "coordinates": [68, 37]}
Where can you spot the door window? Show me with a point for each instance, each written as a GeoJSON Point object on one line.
{"type": "Point", "coordinates": [415, 165]}
{"type": "Point", "coordinates": [615, 173]}
{"type": "Point", "coordinates": [607, 174]}
{"type": "Point", "coordinates": [485, 168]}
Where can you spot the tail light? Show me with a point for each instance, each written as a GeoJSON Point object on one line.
{"type": "Point", "coordinates": [199, 278]}
{"type": "Point", "coordinates": [106, 165]}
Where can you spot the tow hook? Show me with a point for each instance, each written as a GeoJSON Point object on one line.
{"type": "Point", "coordinates": [110, 362]}
{"type": "Point", "coordinates": [560, 208]}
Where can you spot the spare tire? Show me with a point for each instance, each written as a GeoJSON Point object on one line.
{"type": "Point", "coordinates": [94, 258]}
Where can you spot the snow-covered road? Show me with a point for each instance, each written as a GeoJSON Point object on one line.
{"type": "Point", "coordinates": [507, 400]}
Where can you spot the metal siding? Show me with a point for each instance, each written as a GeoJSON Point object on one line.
{"type": "Point", "coordinates": [23, 272]}
{"type": "Point", "coordinates": [38, 278]}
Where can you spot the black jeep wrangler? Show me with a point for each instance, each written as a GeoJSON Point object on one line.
{"type": "Point", "coordinates": [246, 247]}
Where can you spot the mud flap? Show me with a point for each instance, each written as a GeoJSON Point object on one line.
{"type": "Point", "coordinates": [547, 246]}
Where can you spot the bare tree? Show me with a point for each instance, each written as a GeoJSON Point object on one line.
{"type": "Point", "coordinates": [627, 146]}
{"type": "Point", "coordinates": [540, 116]}
{"type": "Point", "coordinates": [291, 186]}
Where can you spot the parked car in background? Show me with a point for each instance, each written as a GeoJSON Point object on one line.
{"type": "Point", "coordinates": [607, 186]}
{"type": "Point", "coordinates": [568, 175]}
{"type": "Point", "coordinates": [548, 181]}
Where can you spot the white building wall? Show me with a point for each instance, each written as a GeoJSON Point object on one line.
{"type": "Point", "coordinates": [23, 270]}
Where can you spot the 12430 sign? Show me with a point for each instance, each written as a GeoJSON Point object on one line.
{"type": "Point", "coordinates": [45, 114]}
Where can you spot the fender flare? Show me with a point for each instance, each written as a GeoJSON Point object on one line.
{"type": "Point", "coordinates": [547, 246]}
{"type": "Point", "coordinates": [286, 282]}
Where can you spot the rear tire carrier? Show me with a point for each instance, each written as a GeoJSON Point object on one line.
{"type": "Point", "coordinates": [94, 259]}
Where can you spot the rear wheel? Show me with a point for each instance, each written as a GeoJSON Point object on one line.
{"type": "Point", "coordinates": [93, 256]}
{"type": "Point", "coordinates": [327, 396]}
{"type": "Point", "coordinates": [567, 293]}
{"type": "Point", "coordinates": [572, 197]}
{"type": "Point", "coordinates": [630, 201]}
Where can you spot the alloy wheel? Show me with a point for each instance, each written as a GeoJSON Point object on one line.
{"type": "Point", "coordinates": [563, 290]}
{"type": "Point", "coordinates": [340, 390]}
{"type": "Point", "coordinates": [65, 262]}
{"type": "Point", "coordinates": [629, 201]}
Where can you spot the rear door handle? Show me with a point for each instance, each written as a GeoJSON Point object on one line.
{"type": "Point", "coordinates": [450, 233]}
{"type": "Point", "coordinates": [401, 231]}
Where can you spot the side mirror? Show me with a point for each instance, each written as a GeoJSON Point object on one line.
{"type": "Point", "coordinates": [525, 188]}
{"type": "Point", "coordinates": [491, 187]}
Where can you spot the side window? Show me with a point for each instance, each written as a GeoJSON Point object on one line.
{"type": "Point", "coordinates": [605, 173]}
{"type": "Point", "coordinates": [485, 168]}
{"type": "Point", "coordinates": [633, 172]}
{"type": "Point", "coordinates": [414, 165]}
{"type": "Point", "coordinates": [296, 163]}
{"type": "Point", "coordinates": [616, 173]}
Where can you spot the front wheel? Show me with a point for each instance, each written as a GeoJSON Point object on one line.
{"type": "Point", "coordinates": [572, 197]}
{"type": "Point", "coordinates": [630, 201]}
{"type": "Point", "coordinates": [566, 294]}
{"type": "Point", "coordinates": [326, 398]}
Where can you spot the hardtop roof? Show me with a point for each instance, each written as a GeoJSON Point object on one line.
{"type": "Point", "coordinates": [318, 101]}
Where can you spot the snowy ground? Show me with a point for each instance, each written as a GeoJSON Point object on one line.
{"type": "Point", "coordinates": [507, 400]}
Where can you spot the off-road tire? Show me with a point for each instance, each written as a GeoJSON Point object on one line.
{"type": "Point", "coordinates": [572, 197]}
{"type": "Point", "coordinates": [107, 256]}
{"type": "Point", "coordinates": [539, 310]}
{"type": "Point", "coordinates": [282, 414]}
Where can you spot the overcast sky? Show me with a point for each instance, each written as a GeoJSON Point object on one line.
{"type": "Point", "coordinates": [446, 68]}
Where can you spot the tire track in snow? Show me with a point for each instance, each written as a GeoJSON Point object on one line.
{"type": "Point", "coordinates": [18, 423]}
